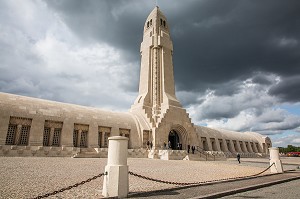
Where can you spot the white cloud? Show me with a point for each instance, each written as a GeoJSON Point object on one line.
{"type": "Point", "coordinates": [284, 140]}
{"type": "Point", "coordinates": [55, 64]}
{"type": "Point", "coordinates": [251, 108]}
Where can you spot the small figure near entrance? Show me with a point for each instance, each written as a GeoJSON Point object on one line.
{"type": "Point", "coordinates": [148, 143]}
{"type": "Point", "coordinates": [188, 148]}
{"type": "Point", "coordinates": [193, 149]}
{"type": "Point", "coordinates": [165, 145]}
{"type": "Point", "coordinates": [238, 157]}
{"type": "Point", "coordinates": [169, 145]}
{"type": "Point", "coordinates": [178, 146]}
{"type": "Point", "coordinates": [151, 145]}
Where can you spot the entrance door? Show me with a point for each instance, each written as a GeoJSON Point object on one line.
{"type": "Point", "coordinates": [174, 140]}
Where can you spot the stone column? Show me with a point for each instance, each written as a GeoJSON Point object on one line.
{"type": "Point", "coordinates": [245, 147]}
{"type": "Point", "coordinates": [231, 145]}
{"type": "Point", "coordinates": [102, 139]}
{"type": "Point", "coordinates": [250, 146]}
{"type": "Point", "coordinates": [4, 123]}
{"type": "Point", "coordinates": [67, 133]}
{"type": "Point", "coordinates": [218, 144]}
{"type": "Point", "coordinates": [274, 158]}
{"type": "Point", "coordinates": [51, 136]}
{"type": "Point", "coordinates": [92, 136]}
{"type": "Point", "coordinates": [209, 144]}
{"type": "Point", "coordinates": [18, 134]}
{"type": "Point", "coordinates": [116, 181]}
{"type": "Point", "coordinates": [225, 146]}
{"type": "Point", "coordinates": [79, 137]}
{"type": "Point", "coordinates": [255, 148]}
{"type": "Point", "coordinates": [239, 149]}
{"type": "Point", "coordinates": [36, 132]}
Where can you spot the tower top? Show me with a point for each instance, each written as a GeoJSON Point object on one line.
{"type": "Point", "coordinates": [157, 19]}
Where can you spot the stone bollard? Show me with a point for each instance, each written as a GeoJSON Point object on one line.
{"type": "Point", "coordinates": [274, 158]}
{"type": "Point", "coordinates": [115, 183]}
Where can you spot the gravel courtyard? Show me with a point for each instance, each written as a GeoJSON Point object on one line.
{"type": "Point", "coordinates": [33, 176]}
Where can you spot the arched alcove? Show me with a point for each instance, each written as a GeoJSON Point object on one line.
{"type": "Point", "coordinates": [178, 135]}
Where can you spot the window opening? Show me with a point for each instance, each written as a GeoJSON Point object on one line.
{"type": "Point", "coordinates": [46, 136]}
{"type": "Point", "coordinates": [56, 137]}
{"type": "Point", "coordinates": [83, 139]}
{"type": "Point", "coordinates": [11, 132]}
{"type": "Point", "coordinates": [24, 135]}
{"type": "Point", "coordinates": [75, 137]}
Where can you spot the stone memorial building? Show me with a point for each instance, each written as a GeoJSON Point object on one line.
{"type": "Point", "coordinates": [37, 127]}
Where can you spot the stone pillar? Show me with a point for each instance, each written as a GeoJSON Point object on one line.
{"type": "Point", "coordinates": [255, 147]}
{"type": "Point", "coordinates": [79, 137]}
{"type": "Point", "coordinates": [92, 136]}
{"type": "Point", "coordinates": [245, 147]}
{"type": "Point", "coordinates": [67, 133]}
{"type": "Point", "coordinates": [36, 132]}
{"type": "Point", "coordinates": [209, 144]}
{"type": "Point", "coordinates": [18, 134]}
{"type": "Point", "coordinates": [239, 149]}
{"type": "Point", "coordinates": [4, 123]}
{"type": "Point", "coordinates": [116, 181]}
{"type": "Point", "coordinates": [51, 136]}
{"type": "Point", "coordinates": [225, 146]}
{"type": "Point", "coordinates": [231, 145]}
{"type": "Point", "coordinates": [274, 158]}
{"type": "Point", "coordinates": [218, 144]}
{"type": "Point", "coordinates": [102, 139]}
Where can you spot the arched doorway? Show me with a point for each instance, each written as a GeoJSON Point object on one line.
{"type": "Point", "coordinates": [174, 140]}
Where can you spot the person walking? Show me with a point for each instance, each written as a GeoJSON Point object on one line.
{"type": "Point", "coordinates": [188, 148]}
{"type": "Point", "coordinates": [193, 149]}
{"type": "Point", "coordinates": [169, 144]}
{"type": "Point", "coordinates": [238, 157]}
{"type": "Point", "coordinates": [148, 144]}
{"type": "Point", "coordinates": [165, 145]}
{"type": "Point", "coordinates": [151, 145]}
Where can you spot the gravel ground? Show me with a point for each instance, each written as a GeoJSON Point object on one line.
{"type": "Point", "coordinates": [32, 176]}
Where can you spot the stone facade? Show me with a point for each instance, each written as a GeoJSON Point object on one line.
{"type": "Point", "coordinates": [36, 127]}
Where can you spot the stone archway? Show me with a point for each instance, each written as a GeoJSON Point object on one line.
{"type": "Point", "coordinates": [178, 135]}
{"type": "Point", "coordinates": [173, 140]}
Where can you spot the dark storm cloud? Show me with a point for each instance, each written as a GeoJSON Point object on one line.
{"type": "Point", "coordinates": [288, 89]}
{"type": "Point", "coordinates": [117, 23]}
{"type": "Point", "coordinates": [247, 36]}
{"type": "Point", "coordinates": [215, 42]}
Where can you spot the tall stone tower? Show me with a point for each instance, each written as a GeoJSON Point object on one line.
{"type": "Point", "coordinates": [159, 113]}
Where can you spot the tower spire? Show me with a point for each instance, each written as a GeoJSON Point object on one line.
{"type": "Point", "coordinates": [156, 88]}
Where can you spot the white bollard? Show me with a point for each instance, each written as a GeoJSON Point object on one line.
{"type": "Point", "coordinates": [274, 158]}
{"type": "Point", "coordinates": [115, 183]}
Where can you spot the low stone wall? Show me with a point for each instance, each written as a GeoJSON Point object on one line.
{"type": "Point", "coordinates": [137, 153]}
{"type": "Point", "coordinates": [37, 151]}
{"type": "Point", "coordinates": [172, 154]}
{"type": "Point", "coordinates": [245, 155]}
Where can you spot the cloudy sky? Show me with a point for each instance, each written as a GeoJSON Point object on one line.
{"type": "Point", "coordinates": [236, 62]}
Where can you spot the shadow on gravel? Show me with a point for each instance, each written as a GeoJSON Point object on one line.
{"type": "Point", "coordinates": [164, 192]}
{"type": "Point", "coordinates": [153, 193]}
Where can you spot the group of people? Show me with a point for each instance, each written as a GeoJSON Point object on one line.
{"type": "Point", "coordinates": [189, 148]}
{"type": "Point", "coordinates": [169, 146]}
{"type": "Point", "coordinates": [149, 145]}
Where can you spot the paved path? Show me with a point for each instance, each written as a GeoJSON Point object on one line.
{"type": "Point", "coordinates": [288, 190]}
{"type": "Point", "coordinates": [218, 190]}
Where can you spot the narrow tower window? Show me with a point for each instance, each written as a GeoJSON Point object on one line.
{"type": "Point", "coordinates": [150, 22]}
{"type": "Point", "coordinates": [164, 23]}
